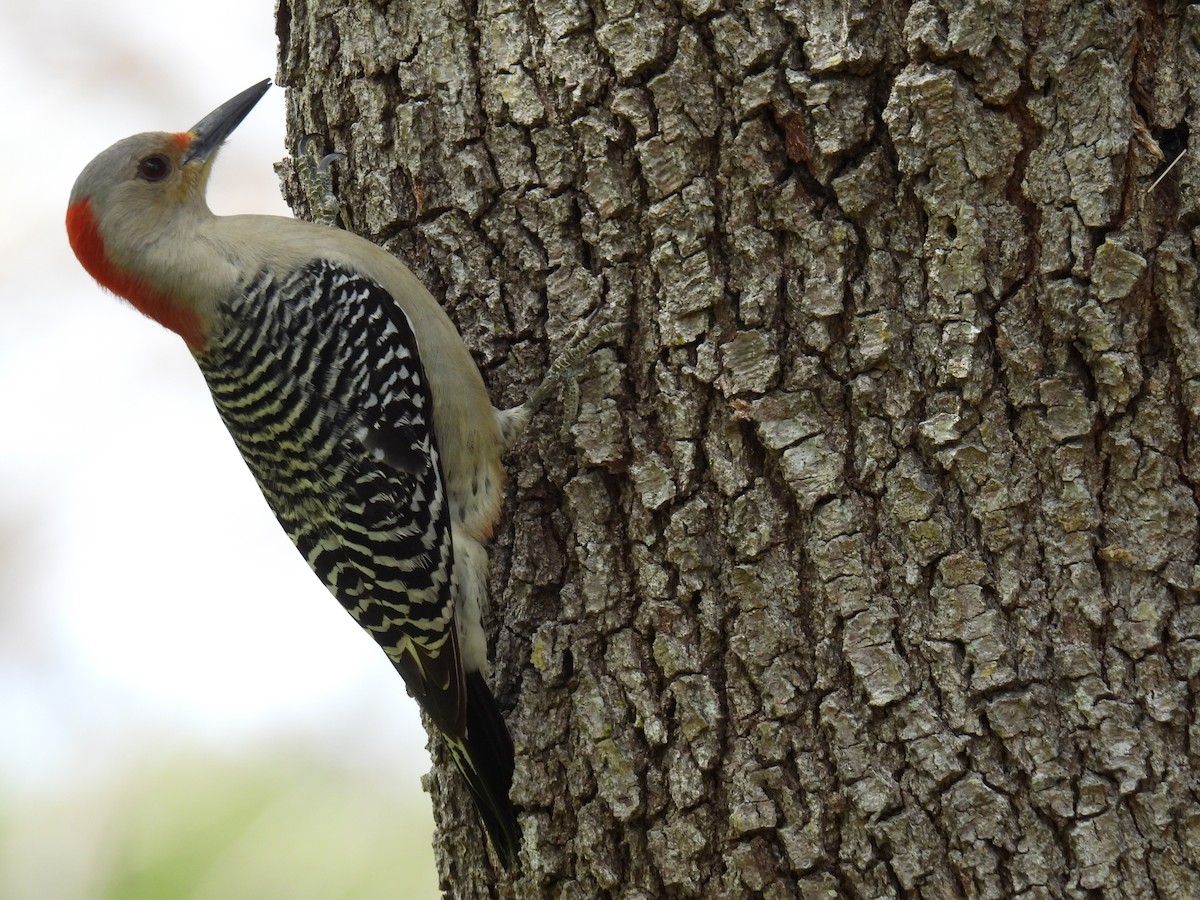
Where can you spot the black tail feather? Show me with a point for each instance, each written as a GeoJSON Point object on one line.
{"type": "Point", "coordinates": [486, 761]}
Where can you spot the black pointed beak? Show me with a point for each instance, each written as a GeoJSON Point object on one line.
{"type": "Point", "coordinates": [210, 132]}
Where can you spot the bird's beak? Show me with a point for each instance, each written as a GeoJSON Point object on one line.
{"type": "Point", "coordinates": [210, 132]}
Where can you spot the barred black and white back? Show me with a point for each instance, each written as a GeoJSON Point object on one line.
{"type": "Point", "coordinates": [318, 379]}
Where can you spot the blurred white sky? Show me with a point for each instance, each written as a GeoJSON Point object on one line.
{"type": "Point", "coordinates": [148, 599]}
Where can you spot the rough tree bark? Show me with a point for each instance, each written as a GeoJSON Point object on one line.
{"type": "Point", "coordinates": [869, 567]}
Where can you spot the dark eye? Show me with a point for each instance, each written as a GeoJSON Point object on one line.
{"type": "Point", "coordinates": [154, 168]}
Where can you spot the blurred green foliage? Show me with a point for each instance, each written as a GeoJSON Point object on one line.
{"type": "Point", "coordinates": [206, 828]}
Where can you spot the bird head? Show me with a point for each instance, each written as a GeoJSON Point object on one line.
{"type": "Point", "coordinates": [135, 207]}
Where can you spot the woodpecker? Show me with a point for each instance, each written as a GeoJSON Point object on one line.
{"type": "Point", "coordinates": [353, 401]}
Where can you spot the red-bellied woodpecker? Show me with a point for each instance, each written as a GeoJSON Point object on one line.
{"type": "Point", "coordinates": [352, 399]}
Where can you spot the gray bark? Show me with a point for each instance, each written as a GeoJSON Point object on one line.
{"type": "Point", "coordinates": [869, 567]}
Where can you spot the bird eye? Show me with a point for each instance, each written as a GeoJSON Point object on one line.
{"type": "Point", "coordinates": [154, 168]}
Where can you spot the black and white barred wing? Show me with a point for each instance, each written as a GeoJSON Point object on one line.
{"type": "Point", "coordinates": [322, 387]}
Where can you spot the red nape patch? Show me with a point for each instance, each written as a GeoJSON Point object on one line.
{"type": "Point", "coordinates": [83, 231]}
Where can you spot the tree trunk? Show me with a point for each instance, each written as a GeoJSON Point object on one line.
{"type": "Point", "coordinates": [869, 566]}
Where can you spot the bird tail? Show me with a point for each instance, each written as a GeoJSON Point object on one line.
{"type": "Point", "coordinates": [486, 760]}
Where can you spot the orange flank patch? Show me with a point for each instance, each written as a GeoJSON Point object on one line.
{"type": "Point", "coordinates": [83, 231]}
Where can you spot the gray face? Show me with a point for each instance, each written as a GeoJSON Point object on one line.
{"type": "Point", "coordinates": [120, 163]}
{"type": "Point", "coordinates": [141, 190]}
{"type": "Point", "coordinates": [134, 159]}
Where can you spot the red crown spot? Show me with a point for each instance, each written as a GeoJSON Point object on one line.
{"type": "Point", "coordinates": [83, 231]}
